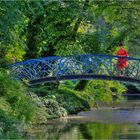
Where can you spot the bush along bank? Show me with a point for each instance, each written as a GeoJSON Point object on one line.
{"type": "Point", "coordinates": [61, 99]}
{"type": "Point", "coordinates": [22, 107]}
{"type": "Point", "coordinates": [17, 110]}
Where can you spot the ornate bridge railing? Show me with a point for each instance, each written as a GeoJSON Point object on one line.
{"type": "Point", "coordinates": [86, 66]}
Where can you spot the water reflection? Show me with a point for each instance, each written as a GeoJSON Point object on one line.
{"type": "Point", "coordinates": [75, 128]}
{"type": "Point", "coordinates": [100, 124]}
{"type": "Point", "coordinates": [72, 131]}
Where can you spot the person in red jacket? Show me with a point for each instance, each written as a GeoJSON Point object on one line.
{"type": "Point", "coordinates": [122, 62]}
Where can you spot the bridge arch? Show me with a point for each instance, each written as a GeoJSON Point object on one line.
{"type": "Point", "coordinates": [82, 67]}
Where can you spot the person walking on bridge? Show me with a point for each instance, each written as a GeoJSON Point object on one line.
{"type": "Point", "coordinates": [122, 63]}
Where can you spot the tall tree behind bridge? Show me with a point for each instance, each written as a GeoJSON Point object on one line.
{"type": "Point", "coordinates": [68, 27]}
{"type": "Point", "coordinates": [12, 25]}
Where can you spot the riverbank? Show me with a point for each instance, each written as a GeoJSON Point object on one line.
{"type": "Point", "coordinates": [104, 123]}
{"type": "Point", "coordinates": [125, 110]}
{"type": "Point", "coordinates": [22, 107]}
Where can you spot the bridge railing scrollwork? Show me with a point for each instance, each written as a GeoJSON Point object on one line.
{"type": "Point", "coordinates": [87, 64]}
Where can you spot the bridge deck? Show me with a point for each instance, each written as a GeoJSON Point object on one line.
{"type": "Point", "coordinates": [82, 77]}
{"type": "Point", "coordinates": [82, 67]}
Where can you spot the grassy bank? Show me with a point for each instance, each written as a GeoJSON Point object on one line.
{"type": "Point", "coordinates": [21, 107]}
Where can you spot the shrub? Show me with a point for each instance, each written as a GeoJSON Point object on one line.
{"type": "Point", "coordinates": [8, 126]}
{"type": "Point", "coordinates": [54, 110]}
{"type": "Point", "coordinates": [45, 89]}
{"type": "Point", "coordinates": [14, 94]}
{"type": "Point", "coordinates": [73, 101]}
{"type": "Point", "coordinates": [105, 90]}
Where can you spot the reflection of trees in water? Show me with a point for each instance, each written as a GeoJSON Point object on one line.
{"type": "Point", "coordinates": [85, 130]}
{"type": "Point", "coordinates": [52, 130]}
{"type": "Point", "coordinates": [99, 131]}
{"type": "Point", "coordinates": [108, 131]}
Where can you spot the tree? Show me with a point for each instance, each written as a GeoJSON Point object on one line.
{"type": "Point", "coordinates": [12, 37]}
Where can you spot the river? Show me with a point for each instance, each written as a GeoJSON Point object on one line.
{"type": "Point", "coordinates": [121, 122]}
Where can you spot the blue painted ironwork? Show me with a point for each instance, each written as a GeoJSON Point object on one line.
{"type": "Point", "coordinates": [87, 66]}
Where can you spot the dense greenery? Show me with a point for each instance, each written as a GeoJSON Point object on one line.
{"type": "Point", "coordinates": [8, 128]}
{"type": "Point", "coordinates": [17, 106]}
{"type": "Point", "coordinates": [32, 29]}
{"type": "Point", "coordinates": [41, 28]}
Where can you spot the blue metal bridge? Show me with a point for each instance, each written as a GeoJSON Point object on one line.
{"type": "Point", "coordinates": [82, 67]}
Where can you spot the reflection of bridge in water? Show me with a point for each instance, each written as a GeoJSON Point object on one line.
{"type": "Point", "coordinates": [82, 67]}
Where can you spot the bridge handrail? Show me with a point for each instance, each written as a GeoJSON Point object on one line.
{"type": "Point", "coordinates": [61, 57]}
{"type": "Point", "coordinates": [84, 66]}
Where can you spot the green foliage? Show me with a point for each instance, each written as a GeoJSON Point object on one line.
{"type": "Point", "coordinates": [12, 38]}
{"type": "Point", "coordinates": [63, 100]}
{"type": "Point", "coordinates": [5, 62]}
{"type": "Point", "coordinates": [74, 101]}
{"type": "Point", "coordinates": [53, 108]}
{"type": "Point", "coordinates": [40, 112]}
{"type": "Point", "coordinates": [68, 84]}
{"type": "Point", "coordinates": [47, 94]}
{"type": "Point", "coordinates": [123, 17]}
{"type": "Point", "coordinates": [105, 90]}
{"type": "Point", "coordinates": [43, 90]}
{"type": "Point", "coordinates": [8, 126]}
{"type": "Point", "coordinates": [14, 95]}
{"type": "Point", "coordinates": [44, 28]}
{"type": "Point", "coordinates": [17, 106]}
{"type": "Point", "coordinates": [4, 105]}
{"type": "Point", "coordinates": [102, 130]}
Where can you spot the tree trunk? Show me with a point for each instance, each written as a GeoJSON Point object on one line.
{"type": "Point", "coordinates": [31, 36]}
{"type": "Point", "coordinates": [83, 83]}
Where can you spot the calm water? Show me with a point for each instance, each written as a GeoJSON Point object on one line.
{"type": "Point", "coordinates": [106, 123]}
